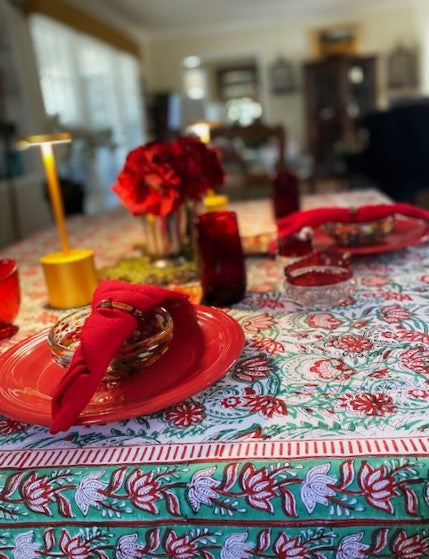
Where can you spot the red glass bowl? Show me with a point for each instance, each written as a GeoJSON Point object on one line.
{"type": "Point", "coordinates": [149, 341]}
{"type": "Point", "coordinates": [321, 280]}
{"type": "Point", "coordinates": [360, 234]}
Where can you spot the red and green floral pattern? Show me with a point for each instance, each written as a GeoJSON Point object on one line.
{"type": "Point", "coordinates": [342, 392]}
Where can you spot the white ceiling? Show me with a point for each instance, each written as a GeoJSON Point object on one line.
{"type": "Point", "coordinates": [159, 17]}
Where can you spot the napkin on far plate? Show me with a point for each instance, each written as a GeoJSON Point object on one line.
{"type": "Point", "coordinates": [103, 333]}
{"type": "Point", "coordinates": [294, 222]}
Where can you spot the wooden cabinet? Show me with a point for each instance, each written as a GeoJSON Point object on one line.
{"type": "Point", "coordinates": [338, 92]}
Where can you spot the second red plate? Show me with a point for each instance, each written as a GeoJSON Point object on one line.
{"type": "Point", "coordinates": [29, 375]}
{"type": "Point", "coordinates": [407, 232]}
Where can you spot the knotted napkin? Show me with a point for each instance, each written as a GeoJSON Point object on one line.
{"type": "Point", "coordinates": [102, 335]}
{"type": "Point", "coordinates": [295, 221]}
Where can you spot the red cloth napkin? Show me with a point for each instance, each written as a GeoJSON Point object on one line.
{"type": "Point", "coordinates": [313, 218]}
{"type": "Point", "coordinates": [102, 335]}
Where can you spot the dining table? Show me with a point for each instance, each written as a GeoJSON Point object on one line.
{"type": "Point", "coordinates": [314, 444]}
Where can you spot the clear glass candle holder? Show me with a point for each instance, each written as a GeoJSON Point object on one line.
{"type": "Point", "coordinates": [149, 341]}
{"type": "Point", "coordinates": [320, 280]}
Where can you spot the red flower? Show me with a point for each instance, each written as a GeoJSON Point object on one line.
{"type": "Point", "coordinates": [9, 426]}
{"type": "Point", "coordinates": [198, 166]}
{"type": "Point", "coordinates": [416, 359]}
{"type": "Point", "coordinates": [394, 313]}
{"type": "Point", "coordinates": [418, 393]}
{"type": "Point", "coordinates": [157, 177]}
{"type": "Point", "coordinates": [378, 486]}
{"type": "Point", "coordinates": [410, 547]}
{"type": "Point", "coordinates": [143, 490]}
{"type": "Point", "coordinates": [185, 414]}
{"type": "Point", "coordinates": [285, 547]}
{"type": "Point", "coordinates": [230, 402]}
{"type": "Point", "coordinates": [253, 368]}
{"type": "Point", "coordinates": [74, 548]}
{"type": "Point", "coordinates": [266, 405]}
{"type": "Point", "coordinates": [376, 403]}
{"type": "Point", "coordinates": [259, 487]}
{"type": "Point", "coordinates": [353, 344]}
{"type": "Point", "coordinates": [37, 493]}
{"type": "Point", "coordinates": [323, 320]}
{"type": "Point", "coordinates": [258, 323]}
{"type": "Point", "coordinates": [328, 369]}
{"type": "Point", "coordinates": [179, 547]}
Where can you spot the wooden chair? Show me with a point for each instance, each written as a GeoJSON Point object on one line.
{"type": "Point", "coordinates": [244, 178]}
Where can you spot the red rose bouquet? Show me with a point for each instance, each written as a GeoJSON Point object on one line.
{"type": "Point", "coordinates": [158, 177]}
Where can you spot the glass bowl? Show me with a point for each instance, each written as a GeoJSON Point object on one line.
{"type": "Point", "coordinates": [321, 280]}
{"type": "Point", "coordinates": [150, 340]}
{"type": "Point", "coordinates": [358, 234]}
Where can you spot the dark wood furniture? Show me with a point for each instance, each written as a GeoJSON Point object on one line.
{"type": "Point", "coordinates": [339, 91]}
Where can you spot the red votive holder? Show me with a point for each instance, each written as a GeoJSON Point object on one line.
{"type": "Point", "coordinates": [285, 194]}
{"type": "Point", "coordinates": [9, 297]}
{"type": "Point", "coordinates": [323, 279]}
{"type": "Point", "coordinates": [220, 258]}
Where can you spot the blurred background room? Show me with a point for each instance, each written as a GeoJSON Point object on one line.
{"type": "Point", "coordinates": [334, 90]}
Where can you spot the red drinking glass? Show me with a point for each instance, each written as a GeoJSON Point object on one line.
{"type": "Point", "coordinates": [221, 258]}
{"type": "Point", "coordinates": [9, 297]}
{"type": "Point", "coordinates": [285, 194]}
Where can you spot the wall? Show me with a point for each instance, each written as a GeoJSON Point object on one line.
{"type": "Point", "coordinates": [382, 30]}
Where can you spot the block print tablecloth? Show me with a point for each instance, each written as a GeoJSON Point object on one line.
{"type": "Point", "coordinates": [314, 446]}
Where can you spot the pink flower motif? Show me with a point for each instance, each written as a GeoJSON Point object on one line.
{"type": "Point", "coordinates": [185, 414]}
{"type": "Point", "coordinates": [410, 547]}
{"type": "Point", "coordinates": [9, 426]}
{"type": "Point", "coordinates": [128, 548]}
{"type": "Point", "coordinates": [268, 406]}
{"type": "Point", "coordinates": [351, 547]}
{"type": "Point", "coordinates": [353, 343]}
{"type": "Point", "coordinates": [230, 402]}
{"type": "Point", "coordinates": [37, 493]}
{"type": "Point", "coordinates": [202, 488]}
{"type": "Point", "coordinates": [329, 369]}
{"type": "Point", "coordinates": [424, 278]}
{"type": "Point", "coordinates": [418, 393]}
{"type": "Point", "coordinates": [89, 491]}
{"type": "Point", "coordinates": [324, 320]}
{"type": "Point", "coordinates": [253, 368]}
{"type": "Point", "coordinates": [374, 404]}
{"type": "Point", "coordinates": [416, 359]}
{"type": "Point", "coordinates": [268, 344]}
{"type": "Point", "coordinates": [24, 547]}
{"type": "Point", "coordinates": [179, 547]}
{"type": "Point", "coordinates": [143, 490]}
{"type": "Point", "coordinates": [74, 548]}
{"type": "Point", "coordinates": [259, 487]}
{"type": "Point", "coordinates": [378, 486]}
{"type": "Point", "coordinates": [236, 547]}
{"type": "Point", "coordinates": [316, 487]}
{"type": "Point", "coordinates": [258, 323]}
{"type": "Point", "coordinates": [394, 313]}
{"type": "Point", "coordinates": [291, 548]}
{"type": "Point", "coordinates": [374, 281]}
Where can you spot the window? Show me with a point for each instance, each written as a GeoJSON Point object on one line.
{"type": "Point", "coordinates": [94, 91]}
{"type": "Point", "coordinates": [238, 87]}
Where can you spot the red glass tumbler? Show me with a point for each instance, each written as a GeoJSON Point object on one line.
{"type": "Point", "coordinates": [285, 194]}
{"type": "Point", "coordinates": [221, 258]}
{"type": "Point", "coordinates": [9, 297]}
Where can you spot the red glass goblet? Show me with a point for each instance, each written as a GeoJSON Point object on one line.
{"type": "Point", "coordinates": [9, 297]}
{"type": "Point", "coordinates": [221, 258]}
{"type": "Point", "coordinates": [286, 199]}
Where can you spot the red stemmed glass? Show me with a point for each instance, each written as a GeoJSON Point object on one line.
{"type": "Point", "coordinates": [10, 297]}
{"type": "Point", "coordinates": [220, 258]}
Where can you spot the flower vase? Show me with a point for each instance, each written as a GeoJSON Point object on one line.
{"type": "Point", "coordinates": [165, 236]}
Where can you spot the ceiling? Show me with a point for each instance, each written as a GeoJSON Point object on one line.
{"type": "Point", "coordinates": [159, 17]}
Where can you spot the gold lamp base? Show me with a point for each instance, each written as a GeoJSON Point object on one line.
{"type": "Point", "coordinates": [70, 276]}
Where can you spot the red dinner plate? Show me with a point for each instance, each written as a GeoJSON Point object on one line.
{"type": "Point", "coordinates": [29, 375]}
{"type": "Point", "coordinates": [406, 232]}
